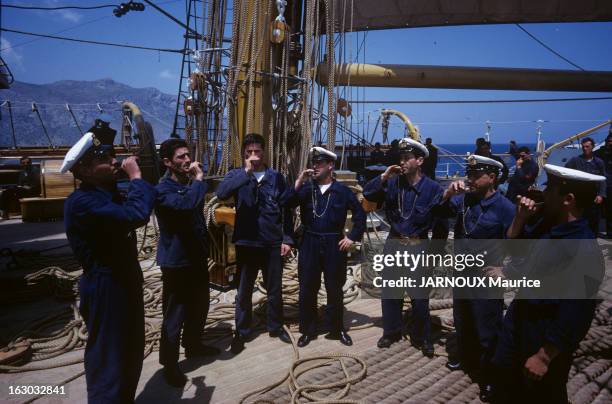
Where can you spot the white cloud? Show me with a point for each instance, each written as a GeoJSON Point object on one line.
{"type": "Point", "coordinates": [11, 56]}
{"type": "Point", "coordinates": [167, 74]}
{"type": "Point", "coordinates": [69, 15]}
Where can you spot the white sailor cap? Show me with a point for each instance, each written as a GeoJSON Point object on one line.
{"type": "Point", "coordinates": [98, 140]}
{"type": "Point", "coordinates": [481, 163]}
{"type": "Point", "coordinates": [570, 175]}
{"type": "Point", "coordinates": [321, 153]}
{"type": "Point", "coordinates": [408, 145]}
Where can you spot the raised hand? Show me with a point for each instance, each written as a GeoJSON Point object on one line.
{"type": "Point", "coordinates": [195, 169]}
{"type": "Point", "coordinates": [131, 168]}
{"type": "Point", "coordinates": [391, 170]}
{"type": "Point", "coordinates": [304, 175]}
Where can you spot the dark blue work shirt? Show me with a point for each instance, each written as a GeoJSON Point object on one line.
{"type": "Point", "coordinates": [182, 226]}
{"type": "Point", "coordinates": [487, 218]}
{"type": "Point", "coordinates": [327, 215]}
{"type": "Point", "coordinates": [594, 166]}
{"type": "Point", "coordinates": [561, 322]}
{"type": "Point", "coordinates": [261, 217]}
{"type": "Point", "coordinates": [605, 154]}
{"type": "Point", "coordinates": [522, 179]}
{"type": "Point", "coordinates": [100, 228]}
{"type": "Point", "coordinates": [408, 208]}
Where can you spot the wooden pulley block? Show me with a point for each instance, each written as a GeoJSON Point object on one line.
{"type": "Point", "coordinates": [277, 31]}
{"type": "Point", "coordinates": [225, 215]}
{"type": "Point", "coordinates": [343, 108]}
{"type": "Point", "coordinates": [16, 354]}
{"type": "Point", "coordinates": [189, 107]}
{"type": "Point", "coordinates": [369, 206]}
{"type": "Point", "coordinates": [196, 80]}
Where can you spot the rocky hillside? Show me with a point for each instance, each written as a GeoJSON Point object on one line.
{"type": "Point", "coordinates": [158, 108]}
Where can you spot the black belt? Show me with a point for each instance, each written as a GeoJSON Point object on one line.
{"type": "Point", "coordinates": [322, 234]}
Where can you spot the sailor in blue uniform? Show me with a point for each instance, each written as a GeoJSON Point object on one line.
{"type": "Point", "coordinates": [539, 335]}
{"type": "Point", "coordinates": [408, 199]}
{"type": "Point", "coordinates": [262, 235]}
{"type": "Point", "coordinates": [182, 254]}
{"type": "Point", "coordinates": [100, 226]}
{"type": "Point", "coordinates": [482, 213]}
{"type": "Point", "coordinates": [324, 203]}
{"type": "Point", "coordinates": [590, 163]}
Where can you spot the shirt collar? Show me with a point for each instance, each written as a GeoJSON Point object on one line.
{"type": "Point", "coordinates": [333, 186]}
{"type": "Point", "coordinates": [490, 200]}
{"type": "Point", "coordinates": [267, 174]}
{"type": "Point", "coordinates": [563, 230]}
{"type": "Point", "coordinates": [168, 180]}
{"type": "Point", "coordinates": [418, 187]}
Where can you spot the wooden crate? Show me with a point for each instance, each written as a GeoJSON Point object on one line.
{"type": "Point", "coordinates": [41, 209]}
{"type": "Point", "coordinates": [54, 184]}
{"type": "Point", "coordinates": [223, 253]}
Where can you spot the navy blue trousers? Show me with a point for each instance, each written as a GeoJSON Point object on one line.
{"type": "Point", "coordinates": [113, 310]}
{"type": "Point", "coordinates": [250, 260]}
{"type": "Point", "coordinates": [608, 208]}
{"type": "Point", "coordinates": [515, 346]}
{"type": "Point", "coordinates": [393, 323]}
{"type": "Point", "coordinates": [477, 324]}
{"type": "Point", "coordinates": [185, 302]}
{"type": "Point", "coordinates": [320, 254]}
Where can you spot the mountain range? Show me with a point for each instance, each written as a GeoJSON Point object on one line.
{"type": "Point", "coordinates": [157, 108]}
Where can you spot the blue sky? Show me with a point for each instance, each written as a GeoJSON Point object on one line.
{"type": "Point", "coordinates": [588, 45]}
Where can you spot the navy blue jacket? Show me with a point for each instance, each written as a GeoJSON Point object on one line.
{"type": "Point", "coordinates": [261, 217]}
{"type": "Point", "coordinates": [416, 216]}
{"type": "Point", "coordinates": [332, 206]}
{"type": "Point", "coordinates": [487, 218]}
{"type": "Point", "coordinates": [522, 179]}
{"type": "Point", "coordinates": [100, 228]}
{"type": "Point", "coordinates": [595, 166]}
{"type": "Point", "coordinates": [183, 234]}
{"type": "Point", "coordinates": [605, 154]}
{"type": "Point", "coordinates": [561, 322]}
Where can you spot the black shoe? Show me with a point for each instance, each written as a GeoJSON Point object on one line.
{"type": "Point", "coordinates": [387, 340]}
{"type": "Point", "coordinates": [174, 376]}
{"type": "Point", "coordinates": [281, 334]}
{"type": "Point", "coordinates": [417, 343]}
{"type": "Point", "coordinates": [486, 393]}
{"type": "Point", "coordinates": [341, 336]}
{"type": "Point", "coordinates": [453, 365]}
{"type": "Point", "coordinates": [305, 340]}
{"type": "Point", "coordinates": [237, 344]}
{"type": "Point", "coordinates": [428, 349]}
{"type": "Point", "coordinates": [201, 350]}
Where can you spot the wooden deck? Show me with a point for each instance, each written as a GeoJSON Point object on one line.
{"type": "Point", "coordinates": [227, 377]}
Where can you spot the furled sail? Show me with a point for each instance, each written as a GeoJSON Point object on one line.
{"type": "Point", "coordinates": [360, 15]}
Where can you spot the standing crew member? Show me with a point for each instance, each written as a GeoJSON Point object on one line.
{"type": "Point", "coordinates": [540, 335]}
{"type": "Point", "coordinates": [431, 162]}
{"type": "Point", "coordinates": [324, 203]}
{"type": "Point", "coordinates": [589, 163]}
{"type": "Point", "coordinates": [100, 226]}
{"type": "Point", "coordinates": [182, 255]}
{"type": "Point", "coordinates": [482, 213]}
{"type": "Point", "coordinates": [605, 153]}
{"type": "Point", "coordinates": [262, 235]}
{"type": "Point", "coordinates": [525, 175]}
{"type": "Point", "coordinates": [407, 200]}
